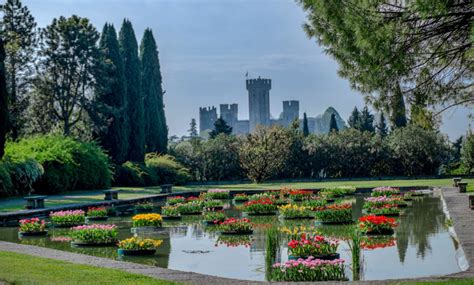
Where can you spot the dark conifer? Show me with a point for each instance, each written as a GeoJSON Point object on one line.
{"type": "Point", "coordinates": [3, 100]}
{"type": "Point", "coordinates": [333, 124]}
{"type": "Point", "coordinates": [305, 125]}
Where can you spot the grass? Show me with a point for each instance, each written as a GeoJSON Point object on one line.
{"type": "Point", "coordinates": [19, 268]}
{"type": "Point", "coordinates": [16, 204]}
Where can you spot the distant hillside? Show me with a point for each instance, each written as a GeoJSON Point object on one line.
{"type": "Point", "coordinates": [320, 124]}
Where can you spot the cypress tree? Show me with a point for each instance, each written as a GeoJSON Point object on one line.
{"type": "Point", "coordinates": [193, 128]}
{"type": "Point", "coordinates": [333, 124]}
{"type": "Point", "coordinates": [354, 119]}
{"type": "Point", "coordinates": [156, 131]}
{"type": "Point", "coordinates": [382, 129]}
{"type": "Point", "coordinates": [111, 100]}
{"type": "Point", "coordinates": [305, 125]}
{"type": "Point", "coordinates": [131, 62]}
{"type": "Point", "coordinates": [398, 117]}
{"type": "Point", "coordinates": [3, 100]}
{"type": "Point", "coordinates": [366, 120]}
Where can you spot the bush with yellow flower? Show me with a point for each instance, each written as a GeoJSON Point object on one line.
{"type": "Point", "coordinates": [147, 220]}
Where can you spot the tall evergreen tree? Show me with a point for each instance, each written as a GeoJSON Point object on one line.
{"type": "Point", "coordinates": [3, 101]}
{"type": "Point", "coordinates": [381, 127]}
{"type": "Point", "coordinates": [398, 117]}
{"type": "Point", "coordinates": [333, 124]}
{"type": "Point", "coordinates": [367, 121]}
{"type": "Point", "coordinates": [111, 98]}
{"type": "Point", "coordinates": [220, 127]}
{"type": "Point", "coordinates": [131, 62]}
{"type": "Point", "coordinates": [156, 131]}
{"type": "Point", "coordinates": [305, 125]}
{"type": "Point", "coordinates": [193, 128]}
{"type": "Point", "coordinates": [354, 119]}
{"type": "Point", "coordinates": [19, 31]}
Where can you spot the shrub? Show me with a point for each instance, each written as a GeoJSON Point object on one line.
{"type": "Point", "coordinates": [68, 164]}
{"type": "Point", "coordinates": [309, 270]}
{"type": "Point", "coordinates": [263, 206]}
{"type": "Point", "coordinates": [191, 208]}
{"type": "Point", "coordinates": [293, 211]}
{"type": "Point", "coordinates": [97, 212]}
{"type": "Point", "coordinates": [217, 194]}
{"type": "Point", "coordinates": [133, 174]}
{"type": "Point", "coordinates": [236, 226]}
{"type": "Point", "coordinates": [376, 224]}
{"type": "Point", "coordinates": [170, 211]}
{"type": "Point", "coordinates": [335, 213]}
{"type": "Point", "coordinates": [6, 185]}
{"type": "Point", "coordinates": [167, 169]}
{"type": "Point", "coordinates": [136, 243]}
{"type": "Point", "coordinates": [32, 225]}
{"type": "Point", "coordinates": [175, 200]}
{"type": "Point", "coordinates": [24, 174]}
{"type": "Point", "coordinates": [147, 220]}
{"type": "Point", "coordinates": [95, 233]}
{"type": "Point", "coordinates": [67, 218]}
{"type": "Point", "coordinates": [214, 217]}
{"type": "Point", "coordinates": [307, 245]}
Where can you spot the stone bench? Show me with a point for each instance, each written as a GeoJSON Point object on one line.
{"type": "Point", "coordinates": [166, 188]}
{"type": "Point", "coordinates": [462, 187]}
{"type": "Point", "coordinates": [111, 195]}
{"type": "Point", "coordinates": [34, 202]}
{"type": "Point", "coordinates": [456, 180]}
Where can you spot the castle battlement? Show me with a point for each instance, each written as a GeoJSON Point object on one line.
{"type": "Point", "coordinates": [229, 107]}
{"type": "Point", "coordinates": [291, 103]}
{"type": "Point", "coordinates": [259, 83]}
{"type": "Point", "coordinates": [207, 109]}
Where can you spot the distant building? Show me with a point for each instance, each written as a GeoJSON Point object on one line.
{"type": "Point", "coordinates": [259, 112]}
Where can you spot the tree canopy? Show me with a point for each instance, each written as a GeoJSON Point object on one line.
{"type": "Point", "coordinates": [3, 100]}
{"type": "Point", "coordinates": [220, 127]}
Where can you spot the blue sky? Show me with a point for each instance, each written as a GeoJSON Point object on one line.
{"type": "Point", "coordinates": [207, 46]}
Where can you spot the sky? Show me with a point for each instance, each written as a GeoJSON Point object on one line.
{"type": "Point", "coordinates": [207, 46]}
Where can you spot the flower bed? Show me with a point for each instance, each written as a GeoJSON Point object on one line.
{"type": "Point", "coordinates": [170, 201]}
{"type": "Point", "coordinates": [293, 211]}
{"type": "Point", "coordinates": [32, 227]}
{"type": "Point", "coordinates": [170, 213]}
{"type": "Point", "coordinates": [309, 269]}
{"type": "Point", "coordinates": [214, 217]}
{"type": "Point", "coordinates": [147, 220]}
{"type": "Point", "coordinates": [313, 245]}
{"type": "Point", "coordinates": [138, 246]}
{"type": "Point", "coordinates": [299, 195]}
{"type": "Point", "coordinates": [68, 218]}
{"type": "Point", "coordinates": [385, 210]}
{"type": "Point", "coordinates": [213, 204]}
{"type": "Point", "coordinates": [336, 214]}
{"type": "Point", "coordinates": [96, 234]}
{"type": "Point", "coordinates": [97, 213]}
{"type": "Point", "coordinates": [262, 206]}
{"type": "Point", "coordinates": [385, 191]}
{"type": "Point", "coordinates": [268, 195]}
{"type": "Point", "coordinates": [241, 197]}
{"type": "Point", "coordinates": [371, 243]}
{"type": "Point", "coordinates": [236, 226]}
{"type": "Point", "coordinates": [377, 225]}
{"type": "Point", "coordinates": [217, 194]}
{"type": "Point", "coordinates": [314, 203]}
{"type": "Point", "coordinates": [191, 208]}
{"type": "Point", "coordinates": [144, 207]}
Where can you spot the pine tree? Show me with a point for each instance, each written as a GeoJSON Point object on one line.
{"type": "Point", "coordinates": [333, 124]}
{"type": "Point", "coordinates": [354, 119]}
{"type": "Point", "coordinates": [19, 30]}
{"type": "Point", "coordinates": [220, 127]}
{"type": "Point", "coordinates": [156, 131]}
{"type": "Point", "coordinates": [305, 125]}
{"type": "Point", "coordinates": [111, 97]}
{"type": "Point", "coordinates": [366, 121]}
{"type": "Point", "coordinates": [193, 128]}
{"type": "Point", "coordinates": [398, 117]}
{"type": "Point", "coordinates": [129, 52]}
{"type": "Point", "coordinates": [381, 127]}
{"type": "Point", "coordinates": [3, 101]}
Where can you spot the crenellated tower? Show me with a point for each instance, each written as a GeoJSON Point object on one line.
{"type": "Point", "coordinates": [259, 102]}
{"type": "Point", "coordinates": [291, 111]}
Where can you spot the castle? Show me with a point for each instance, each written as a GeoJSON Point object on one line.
{"type": "Point", "coordinates": [259, 112]}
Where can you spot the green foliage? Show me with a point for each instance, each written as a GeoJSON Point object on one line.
{"type": "Point", "coordinates": [24, 174]}
{"type": "Point", "coordinates": [381, 126]}
{"type": "Point", "coordinates": [68, 164]}
{"type": "Point", "coordinates": [305, 125]}
{"type": "Point", "coordinates": [417, 151]}
{"type": "Point", "coordinates": [156, 131]}
{"type": "Point", "coordinates": [3, 101]}
{"type": "Point", "coordinates": [220, 127]}
{"type": "Point", "coordinates": [221, 158]}
{"type": "Point", "coordinates": [67, 65]}
{"type": "Point", "coordinates": [110, 116]}
{"type": "Point", "coordinates": [133, 174]}
{"type": "Point", "coordinates": [129, 51]}
{"type": "Point", "coordinates": [333, 124]}
{"type": "Point", "coordinates": [166, 169]}
{"type": "Point", "coordinates": [18, 28]}
{"type": "Point", "coordinates": [354, 119]}
{"type": "Point", "coordinates": [6, 185]}
{"type": "Point", "coordinates": [398, 117]}
{"type": "Point", "coordinates": [264, 152]}
{"type": "Point", "coordinates": [467, 152]}
{"type": "Point", "coordinates": [193, 128]}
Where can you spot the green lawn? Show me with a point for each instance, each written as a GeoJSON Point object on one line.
{"type": "Point", "coordinates": [25, 269]}
{"type": "Point", "coordinates": [15, 204]}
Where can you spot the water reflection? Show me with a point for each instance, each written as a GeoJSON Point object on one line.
{"type": "Point", "coordinates": [421, 246]}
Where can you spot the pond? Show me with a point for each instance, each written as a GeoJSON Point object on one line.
{"type": "Point", "coordinates": [421, 246]}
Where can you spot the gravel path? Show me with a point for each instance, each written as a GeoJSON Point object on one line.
{"type": "Point", "coordinates": [456, 204]}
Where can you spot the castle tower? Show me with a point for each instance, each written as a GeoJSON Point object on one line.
{"type": "Point", "coordinates": [291, 111]}
{"type": "Point", "coordinates": [229, 113]}
{"type": "Point", "coordinates": [259, 102]}
{"type": "Point", "coordinates": [207, 117]}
